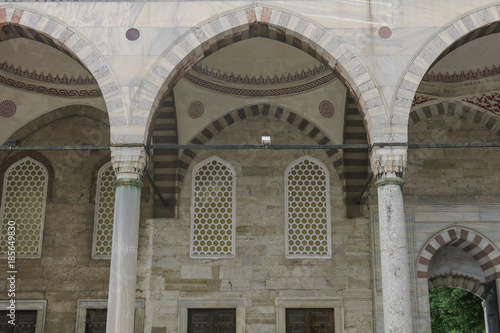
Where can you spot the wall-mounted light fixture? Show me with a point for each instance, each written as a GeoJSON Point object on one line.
{"type": "Point", "coordinates": [12, 142]}
{"type": "Point", "coordinates": [266, 140]}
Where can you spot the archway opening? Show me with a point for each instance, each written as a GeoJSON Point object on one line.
{"type": "Point", "coordinates": [455, 310]}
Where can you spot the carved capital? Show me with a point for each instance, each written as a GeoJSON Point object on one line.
{"type": "Point", "coordinates": [129, 162]}
{"type": "Point", "coordinates": [388, 162]}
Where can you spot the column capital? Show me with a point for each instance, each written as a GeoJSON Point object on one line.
{"type": "Point", "coordinates": [388, 163]}
{"type": "Point", "coordinates": [129, 162]}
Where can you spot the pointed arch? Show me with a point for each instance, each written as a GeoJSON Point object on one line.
{"type": "Point", "coordinates": [256, 22]}
{"type": "Point", "coordinates": [459, 110]}
{"type": "Point", "coordinates": [462, 29]}
{"type": "Point", "coordinates": [473, 242]}
{"type": "Point", "coordinates": [260, 110]}
{"type": "Point", "coordinates": [64, 38]}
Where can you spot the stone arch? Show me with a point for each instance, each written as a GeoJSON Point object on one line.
{"type": "Point", "coordinates": [462, 111]}
{"type": "Point", "coordinates": [437, 46]}
{"type": "Point", "coordinates": [59, 114]}
{"type": "Point", "coordinates": [258, 22]}
{"type": "Point", "coordinates": [458, 281]}
{"type": "Point", "coordinates": [477, 245]}
{"type": "Point", "coordinates": [259, 110]}
{"type": "Point", "coordinates": [66, 38]}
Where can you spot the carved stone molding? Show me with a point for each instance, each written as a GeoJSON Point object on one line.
{"type": "Point", "coordinates": [129, 162]}
{"type": "Point", "coordinates": [388, 162]}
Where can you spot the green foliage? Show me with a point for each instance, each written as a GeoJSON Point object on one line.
{"type": "Point", "coordinates": [455, 310]}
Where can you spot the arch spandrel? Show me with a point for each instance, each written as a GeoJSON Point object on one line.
{"type": "Point", "coordinates": [252, 22]}
{"type": "Point", "coordinates": [83, 51]}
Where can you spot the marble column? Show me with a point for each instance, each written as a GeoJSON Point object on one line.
{"type": "Point", "coordinates": [129, 165]}
{"type": "Point", "coordinates": [388, 166]}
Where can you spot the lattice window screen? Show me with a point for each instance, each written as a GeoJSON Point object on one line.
{"type": "Point", "coordinates": [307, 188]}
{"type": "Point", "coordinates": [23, 202]}
{"type": "Point", "coordinates": [104, 212]}
{"type": "Point", "coordinates": [213, 209]}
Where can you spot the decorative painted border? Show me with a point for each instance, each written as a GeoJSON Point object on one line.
{"type": "Point", "coordinates": [490, 102]}
{"type": "Point", "coordinates": [259, 80]}
{"type": "Point", "coordinates": [421, 99]}
{"type": "Point", "coordinates": [472, 242]}
{"type": "Point", "coordinates": [48, 78]}
{"type": "Point", "coordinates": [260, 92]}
{"type": "Point", "coordinates": [462, 76]}
{"type": "Point", "coordinates": [50, 91]}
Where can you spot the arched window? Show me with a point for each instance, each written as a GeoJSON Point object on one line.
{"type": "Point", "coordinates": [307, 204]}
{"type": "Point", "coordinates": [23, 208]}
{"type": "Point", "coordinates": [213, 209]}
{"type": "Point", "coordinates": [104, 212]}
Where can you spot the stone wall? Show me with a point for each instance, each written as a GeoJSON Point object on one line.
{"type": "Point", "coordinates": [259, 273]}
{"type": "Point", "coordinates": [469, 173]}
{"type": "Point", "coordinates": [65, 272]}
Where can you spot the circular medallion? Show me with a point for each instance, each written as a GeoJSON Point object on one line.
{"type": "Point", "coordinates": [196, 109]}
{"type": "Point", "coordinates": [7, 109]}
{"type": "Point", "coordinates": [132, 34]}
{"type": "Point", "coordinates": [326, 109]}
{"type": "Point", "coordinates": [384, 32]}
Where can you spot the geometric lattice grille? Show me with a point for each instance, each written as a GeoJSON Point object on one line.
{"type": "Point", "coordinates": [104, 212]}
{"type": "Point", "coordinates": [23, 207]}
{"type": "Point", "coordinates": [308, 210]}
{"type": "Point", "coordinates": [213, 210]}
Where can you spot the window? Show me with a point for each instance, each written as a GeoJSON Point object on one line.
{"type": "Point", "coordinates": [307, 190]}
{"type": "Point", "coordinates": [310, 321]}
{"type": "Point", "coordinates": [104, 212]}
{"type": "Point", "coordinates": [95, 321]}
{"type": "Point", "coordinates": [213, 210]}
{"type": "Point", "coordinates": [212, 321]}
{"type": "Point", "coordinates": [25, 321]}
{"type": "Point", "coordinates": [30, 316]}
{"type": "Point", "coordinates": [200, 316]}
{"type": "Point", "coordinates": [91, 316]}
{"type": "Point", "coordinates": [23, 207]}
{"type": "Point", "coordinates": [309, 315]}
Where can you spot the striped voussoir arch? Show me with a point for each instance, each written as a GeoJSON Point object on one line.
{"type": "Point", "coordinates": [258, 110]}
{"type": "Point", "coordinates": [463, 29]}
{"type": "Point", "coordinates": [483, 118]}
{"type": "Point", "coordinates": [458, 281]}
{"type": "Point", "coordinates": [30, 24]}
{"type": "Point", "coordinates": [481, 249]}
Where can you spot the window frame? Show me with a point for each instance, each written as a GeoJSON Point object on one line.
{"type": "Point", "coordinates": [185, 305]}
{"type": "Point", "coordinates": [91, 304]}
{"type": "Point", "coordinates": [233, 208]}
{"type": "Point", "coordinates": [39, 305]}
{"type": "Point", "coordinates": [328, 255]}
{"type": "Point", "coordinates": [38, 255]}
{"type": "Point", "coordinates": [96, 213]}
{"type": "Point", "coordinates": [309, 303]}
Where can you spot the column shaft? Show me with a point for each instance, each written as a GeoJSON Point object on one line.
{"type": "Point", "coordinates": [394, 258]}
{"type": "Point", "coordinates": [122, 280]}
